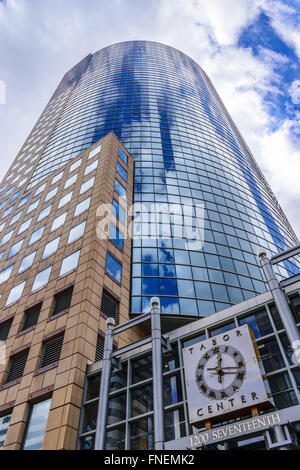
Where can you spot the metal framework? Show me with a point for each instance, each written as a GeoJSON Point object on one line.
{"type": "Point", "coordinates": [109, 359]}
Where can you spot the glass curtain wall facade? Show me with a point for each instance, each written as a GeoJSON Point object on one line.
{"type": "Point", "coordinates": [188, 152]}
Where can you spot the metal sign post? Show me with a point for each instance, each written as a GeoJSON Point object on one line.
{"type": "Point", "coordinates": [157, 375]}
{"type": "Point", "coordinates": [281, 304]}
{"type": "Point", "coordinates": [104, 387]}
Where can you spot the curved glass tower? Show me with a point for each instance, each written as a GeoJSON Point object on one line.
{"type": "Point", "coordinates": [188, 153]}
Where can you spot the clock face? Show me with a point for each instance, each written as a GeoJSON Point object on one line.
{"type": "Point", "coordinates": [220, 372]}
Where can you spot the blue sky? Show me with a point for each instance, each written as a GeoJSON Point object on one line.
{"type": "Point", "coordinates": [249, 48]}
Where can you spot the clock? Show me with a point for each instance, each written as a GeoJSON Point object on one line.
{"type": "Point", "coordinates": [220, 372]}
{"type": "Point", "coordinates": [223, 376]}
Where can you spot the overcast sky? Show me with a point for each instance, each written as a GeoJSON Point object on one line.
{"type": "Point", "coordinates": [249, 49]}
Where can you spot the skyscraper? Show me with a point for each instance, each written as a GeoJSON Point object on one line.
{"type": "Point", "coordinates": [188, 155]}
{"type": "Point", "coordinates": [187, 151]}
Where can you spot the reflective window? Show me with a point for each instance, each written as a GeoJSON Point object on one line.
{"type": "Point", "coordinates": [15, 293]}
{"type": "Point", "coordinates": [58, 221]}
{"type": "Point", "coordinates": [123, 156]}
{"type": "Point", "coordinates": [15, 218]}
{"type": "Point", "coordinates": [69, 263]}
{"type": "Point", "coordinates": [87, 185]}
{"type": "Point", "coordinates": [77, 232]}
{"type": "Point", "coordinates": [15, 249]}
{"type": "Point", "coordinates": [27, 261]}
{"type": "Point", "coordinates": [33, 206]}
{"type": "Point", "coordinates": [5, 273]}
{"type": "Point", "coordinates": [116, 236]}
{"type": "Point", "coordinates": [44, 213]}
{"type": "Point", "coordinates": [40, 189]}
{"type": "Point", "coordinates": [36, 425]}
{"type": "Point", "coordinates": [82, 207]}
{"type": "Point", "coordinates": [91, 167]}
{"type": "Point", "coordinates": [6, 238]}
{"type": "Point", "coordinates": [119, 188]}
{"type": "Point", "coordinates": [4, 423]}
{"type": "Point", "coordinates": [95, 151]}
{"type": "Point", "coordinates": [41, 279]}
{"type": "Point", "coordinates": [141, 369]}
{"type": "Point", "coordinates": [24, 200]}
{"type": "Point", "coordinates": [258, 322]}
{"type": "Point", "coordinates": [51, 248]}
{"type": "Point", "coordinates": [271, 355]}
{"type": "Point", "coordinates": [117, 409]}
{"type": "Point", "coordinates": [75, 165]}
{"type": "Point", "coordinates": [25, 226]}
{"type": "Point", "coordinates": [37, 235]}
{"type": "Point", "coordinates": [122, 172]}
{"type": "Point", "coordinates": [51, 194]}
{"type": "Point", "coordinates": [119, 212]}
{"type": "Point", "coordinates": [65, 199]}
{"type": "Point", "coordinates": [113, 267]}
{"type": "Point", "coordinates": [57, 178]}
{"type": "Point", "coordinates": [7, 212]}
{"type": "Point", "coordinates": [71, 181]}
{"type": "Point", "coordinates": [142, 400]}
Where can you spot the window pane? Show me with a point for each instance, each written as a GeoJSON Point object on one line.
{"type": "Point", "coordinates": [69, 263]}
{"type": "Point", "coordinates": [4, 423]}
{"type": "Point", "coordinates": [41, 279]}
{"type": "Point", "coordinates": [58, 221]}
{"type": "Point", "coordinates": [51, 247]}
{"type": "Point", "coordinates": [141, 369]}
{"type": "Point", "coordinates": [119, 212]}
{"type": "Point", "coordinates": [91, 167]}
{"type": "Point", "coordinates": [27, 262]}
{"type": "Point", "coordinates": [117, 409]}
{"type": "Point", "coordinates": [24, 226]}
{"type": "Point", "coordinates": [76, 232]}
{"type": "Point", "coordinates": [15, 293]}
{"type": "Point", "coordinates": [122, 172]}
{"type": "Point", "coordinates": [95, 151]}
{"type": "Point", "coordinates": [75, 165]}
{"type": "Point", "coordinates": [116, 236]}
{"type": "Point", "coordinates": [44, 213]}
{"type": "Point", "coordinates": [87, 185]}
{"type": "Point", "coordinates": [65, 199]}
{"type": "Point", "coordinates": [70, 181]}
{"type": "Point", "coordinates": [36, 427]}
{"type": "Point", "coordinates": [37, 235]}
{"type": "Point", "coordinates": [6, 238]}
{"type": "Point", "coordinates": [82, 206]}
{"type": "Point", "coordinates": [51, 194]}
{"type": "Point", "coordinates": [142, 400]}
{"type": "Point", "coordinates": [123, 156]}
{"type": "Point", "coordinates": [113, 267]}
{"type": "Point", "coordinates": [5, 273]}
{"type": "Point", "coordinates": [141, 434]}
{"type": "Point", "coordinates": [119, 188]}
{"type": "Point", "coordinates": [258, 322]}
{"type": "Point", "coordinates": [33, 206]}
{"type": "Point", "coordinates": [57, 177]}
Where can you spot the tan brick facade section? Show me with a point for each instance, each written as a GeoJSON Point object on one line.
{"type": "Point", "coordinates": [81, 323]}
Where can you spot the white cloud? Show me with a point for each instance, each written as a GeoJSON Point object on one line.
{"type": "Point", "coordinates": [295, 91]}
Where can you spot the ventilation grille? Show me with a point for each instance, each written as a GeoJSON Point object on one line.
{"type": "Point", "coordinates": [31, 317]}
{"type": "Point", "coordinates": [4, 330]}
{"type": "Point", "coordinates": [62, 301]}
{"type": "Point", "coordinates": [109, 306]}
{"type": "Point", "coordinates": [17, 366]}
{"type": "Point", "coordinates": [99, 349]}
{"type": "Point", "coordinates": [51, 351]}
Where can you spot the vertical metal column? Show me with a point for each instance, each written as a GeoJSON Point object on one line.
{"type": "Point", "coordinates": [104, 387]}
{"type": "Point", "coordinates": [157, 375]}
{"type": "Point", "coordinates": [281, 304]}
